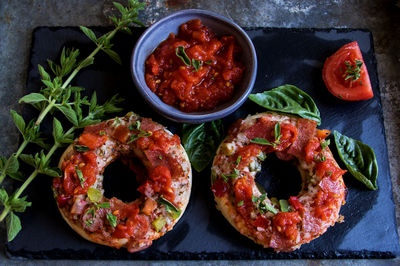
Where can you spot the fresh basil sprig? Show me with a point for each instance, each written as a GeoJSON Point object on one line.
{"type": "Point", "coordinates": [359, 159]}
{"type": "Point", "coordinates": [58, 95]}
{"type": "Point", "coordinates": [201, 142]}
{"type": "Point", "coordinates": [288, 99]}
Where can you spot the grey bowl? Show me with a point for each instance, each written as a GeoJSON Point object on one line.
{"type": "Point", "coordinates": [159, 31]}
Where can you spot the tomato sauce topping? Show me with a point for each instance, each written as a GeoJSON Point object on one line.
{"type": "Point", "coordinates": [208, 76]}
{"type": "Point", "coordinates": [80, 173]}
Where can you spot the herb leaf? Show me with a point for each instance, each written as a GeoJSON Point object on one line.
{"type": "Point", "coordinates": [18, 121]}
{"type": "Point", "coordinates": [288, 99]}
{"type": "Point", "coordinates": [284, 204]}
{"type": "Point", "coordinates": [201, 141]}
{"type": "Point", "coordinates": [180, 52]}
{"type": "Point", "coordinates": [112, 219]}
{"type": "Point", "coordinates": [262, 141]}
{"type": "Point", "coordinates": [174, 211]}
{"type": "Point", "coordinates": [80, 175]}
{"type": "Point", "coordinates": [353, 71]}
{"type": "Point", "coordinates": [13, 224]}
{"type": "Point", "coordinates": [359, 159]}
{"type": "Point", "coordinates": [33, 98]}
{"type": "Point", "coordinates": [196, 64]}
{"type": "Point", "coordinates": [81, 148]}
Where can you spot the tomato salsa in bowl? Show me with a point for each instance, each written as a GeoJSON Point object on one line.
{"type": "Point", "coordinates": [194, 66]}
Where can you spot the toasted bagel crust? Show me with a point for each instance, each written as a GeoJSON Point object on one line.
{"type": "Point", "coordinates": [76, 215]}
{"type": "Point", "coordinates": [310, 213]}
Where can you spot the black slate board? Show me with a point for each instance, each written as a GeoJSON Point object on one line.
{"type": "Point", "coordinates": [285, 56]}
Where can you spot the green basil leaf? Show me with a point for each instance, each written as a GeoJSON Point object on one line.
{"type": "Point", "coordinates": [19, 204]}
{"type": "Point", "coordinates": [113, 55]}
{"type": "Point", "coordinates": [13, 225]}
{"type": "Point", "coordinates": [261, 141]}
{"type": "Point", "coordinates": [57, 130]}
{"type": "Point", "coordinates": [284, 204]}
{"type": "Point", "coordinates": [18, 121]}
{"type": "Point", "coordinates": [17, 176]}
{"type": "Point", "coordinates": [201, 141]}
{"type": "Point", "coordinates": [81, 148]}
{"type": "Point", "coordinates": [359, 159]}
{"type": "Point", "coordinates": [29, 159]}
{"type": "Point", "coordinates": [104, 205]}
{"type": "Point", "coordinates": [288, 99]}
{"type": "Point", "coordinates": [3, 196]}
{"type": "Point", "coordinates": [180, 52]}
{"type": "Point", "coordinates": [112, 219]}
{"type": "Point", "coordinates": [53, 171]}
{"type": "Point", "coordinates": [80, 175]}
{"type": "Point", "coordinates": [196, 64]}
{"type": "Point", "coordinates": [13, 165]}
{"type": "Point", "coordinates": [93, 102]}
{"type": "Point", "coordinates": [88, 32]}
{"type": "Point", "coordinates": [44, 75]}
{"type": "Point", "coordinates": [174, 211]}
{"type": "Point", "coordinates": [69, 114]}
{"type": "Point", "coordinates": [277, 132]}
{"type": "Point", "coordinates": [33, 98]}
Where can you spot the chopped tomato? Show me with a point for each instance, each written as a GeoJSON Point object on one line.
{"type": "Point", "coordinates": [286, 224]}
{"type": "Point", "coordinates": [345, 74]}
{"type": "Point", "coordinates": [219, 188]}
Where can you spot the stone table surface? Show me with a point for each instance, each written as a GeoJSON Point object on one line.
{"type": "Point", "coordinates": [382, 18]}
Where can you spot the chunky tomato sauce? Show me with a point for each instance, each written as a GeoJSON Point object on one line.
{"type": "Point", "coordinates": [195, 85]}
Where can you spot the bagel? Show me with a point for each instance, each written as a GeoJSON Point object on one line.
{"type": "Point", "coordinates": [268, 221]}
{"type": "Point", "coordinates": [164, 175]}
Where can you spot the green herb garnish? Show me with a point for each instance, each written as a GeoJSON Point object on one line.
{"type": "Point", "coordinates": [284, 204]}
{"type": "Point", "coordinates": [112, 219]}
{"type": "Point", "coordinates": [359, 159]}
{"type": "Point", "coordinates": [262, 206]}
{"type": "Point", "coordinates": [81, 148]}
{"type": "Point", "coordinates": [180, 52]}
{"type": "Point", "coordinates": [277, 132]}
{"type": "Point", "coordinates": [353, 71]}
{"type": "Point", "coordinates": [262, 142]}
{"type": "Point", "coordinates": [196, 64]}
{"type": "Point", "coordinates": [288, 99]}
{"type": "Point", "coordinates": [240, 203]}
{"type": "Point", "coordinates": [171, 209]}
{"type": "Point", "coordinates": [201, 141]}
{"type": "Point", "coordinates": [104, 205]}
{"type": "Point", "coordinates": [142, 133]}
{"type": "Point", "coordinates": [239, 158]}
{"type": "Point", "coordinates": [209, 62]}
{"type": "Point", "coordinates": [57, 94]}
{"type": "Point", "coordinates": [80, 175]}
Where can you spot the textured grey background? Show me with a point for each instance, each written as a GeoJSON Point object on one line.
{"type": "Point", "coordinates": [18, 18]}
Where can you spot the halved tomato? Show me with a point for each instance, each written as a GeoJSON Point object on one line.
{"type": "Point", "coordinates": [345, 74]}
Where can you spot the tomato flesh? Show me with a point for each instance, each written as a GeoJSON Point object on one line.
{"type": "Point", "coordinates": [334, 75]}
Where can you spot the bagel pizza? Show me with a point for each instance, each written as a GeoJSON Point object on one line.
{"type": "Point", "coordinates": [162, 170]}
{"type": "Point", "coordinates": [283, 225]}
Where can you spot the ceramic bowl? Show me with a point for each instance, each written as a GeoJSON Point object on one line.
{"type": "Point", "coordinates": [159, 31]}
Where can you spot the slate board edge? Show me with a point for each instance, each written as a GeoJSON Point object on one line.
{"type": "Point", "coordinates": [58, 254]}
{"type": "Point", "coordinates": [154, 255]}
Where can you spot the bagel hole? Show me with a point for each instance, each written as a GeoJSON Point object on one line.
{"type": "Point", "coordinates": [279, 178]}
{"type": "Point", "coordinates": [120, 182]}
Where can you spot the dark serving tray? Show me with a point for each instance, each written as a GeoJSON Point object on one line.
{"type": "Point", "coordinates": [285, 56]}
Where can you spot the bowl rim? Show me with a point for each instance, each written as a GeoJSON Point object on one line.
{"type": "Point", "coordinates": [176, 114]}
